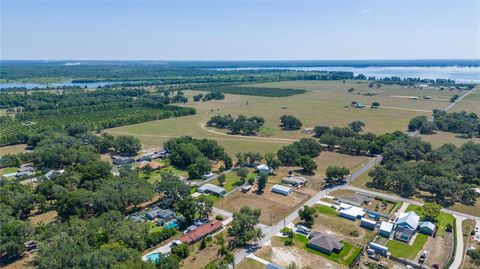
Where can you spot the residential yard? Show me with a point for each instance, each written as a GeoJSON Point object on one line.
{"type": "Point", "coordinates": [8, 170]}
{"type": "Point", "coordinates": [324, 160]}
{"type": "Point", "coordinates": [250, 264]}
{"type": "Point", "coordinates": [232, 180]}
{"type": "Point", "coordinates": [346, 256]}
{"type": "Point", "coordinates": [274, 206]}
{"type": "Point", "coordinates": [403, 250]}
{"type": "Point", "coordinates": [439, 249]}
{"type": "Point", "coordinates": [328, 221]}
{"type": "Point", "coordinates": [442, 220]}
{"type": "Point", "coordinates": [275, 251]}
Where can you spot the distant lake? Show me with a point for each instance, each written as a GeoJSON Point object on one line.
{"type": "Point", "coordinates": [457, 73]}
{"type": "Point", "coordinates": [59, 84]}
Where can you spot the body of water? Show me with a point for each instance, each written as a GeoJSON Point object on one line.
{"type": "Point", "coordinates": [59, 84]}
{"type": "Point", "coordinates": [457, 73]}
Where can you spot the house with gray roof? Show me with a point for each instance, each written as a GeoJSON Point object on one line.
{"type": "Point", "coordinates": [355, 199]}
{"type": "Point", "coordinates": [406, 225]}
{"type": "Point", "coordinates": [210, 188]}
{"type": "Point", "coordinates": [324, 243]}
{"type": "Point", "coordinates": [426, 227]}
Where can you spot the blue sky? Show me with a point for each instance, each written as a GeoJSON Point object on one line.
{"type": "Point", "coordinates": [239, 30]}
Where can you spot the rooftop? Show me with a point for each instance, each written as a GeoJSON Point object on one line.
{"type": "Point", "coordinates": [325, 241]}
{"type": "Point", "coordinates": [281, 188]}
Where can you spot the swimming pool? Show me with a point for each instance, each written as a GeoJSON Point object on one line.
{"type": "Point", "coordinates": [171, 224]}
{"type": "Point", "coordinates": [154, 257]}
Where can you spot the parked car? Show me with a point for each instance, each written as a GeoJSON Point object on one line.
{"type": "Point", "coordinates": [302, 229]}
{"type": "Point", "coordinates": [374, 257]}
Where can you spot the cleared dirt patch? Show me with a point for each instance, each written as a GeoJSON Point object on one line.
{"type": "Point", "coordinates": [44, 218]}
{"type": "Point", "coordinates": [439, 249]}
{"type": "Point", "coordinates": [273, 206]}
{"type": "Point", "coordinates": [343, 228]}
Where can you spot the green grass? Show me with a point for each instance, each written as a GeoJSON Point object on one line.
{"type": "Point", "coordinates": [232, 181]}
{"type": "Point", "coordinates": [346, 256]}
{"type": "Point", "coordinates": [402, 250]}
{"type": "Point", "coordinates": [322, 209]}
{"type": "Point", "coordinates": [8, 170]}
{"type": "Point", "coordinates": [441, 221]}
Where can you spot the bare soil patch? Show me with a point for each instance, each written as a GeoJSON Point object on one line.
{"type": "Point", "coordinates": [273, 206]}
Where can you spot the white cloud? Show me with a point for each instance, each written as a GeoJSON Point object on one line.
{"type": "Point", "coordinates": [365, 11]}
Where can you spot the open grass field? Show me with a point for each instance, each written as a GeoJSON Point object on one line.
{"type": "Point", "coordinates": [324, 103]}
{"type": "Point", "coordinates": [402, 250]}
{"type": "Point", "coordinates": [441, 138]}
{"type": "Point", "coordinates": [470, 103]}
{"type": "Point", "coordinates": [13, 149]}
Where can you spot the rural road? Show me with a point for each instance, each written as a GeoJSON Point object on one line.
{"type": "Point", "coordinates": [458, 257]}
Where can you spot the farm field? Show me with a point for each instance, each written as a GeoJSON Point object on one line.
{"type": "Point", "coordinates": [469, 103]}
{"type": "Point", "coordinates": [13, 149]}
{"type": "Point", "coordinates": [323, 104]}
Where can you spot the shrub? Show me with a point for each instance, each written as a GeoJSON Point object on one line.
{"type": "Point", "coordinates": [219, 217]}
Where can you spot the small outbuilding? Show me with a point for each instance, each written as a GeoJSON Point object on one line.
{"type": "Point", "coordinates": [281, 189]}
{"type": "Point", "coordinates": [246, 188]}
{"type": "Point", "coordinates": [295, 181]}
{"type": "Point", "coordinates": [386, 229]}
{"type": "Point", "coordinates": [210, 188]}
{"type": "Point", "coordinates": [368, 223]}
{"type": "Point", "coordinates": [352, 213]}
{"type": "Point", "coordinates": [426, 227]}
{"type": "Point", "coordinates": [383, 250]}
{"type": "Point", "coordinates": [263, 169]}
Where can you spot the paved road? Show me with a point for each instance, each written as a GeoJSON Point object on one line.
{"type": "Point", "coordinates": [458, 257]}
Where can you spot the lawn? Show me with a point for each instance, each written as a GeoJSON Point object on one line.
{"type": "Point", "coordinates": [8, 170]}
{"type": "Point", "coordinates": [232, 181]}
{"type": "Point", "coordinates": [402, 250]}
{"type": "Point", "coordinates": [441, 138]}
{"type": "Point", "coordinates": [346, 256]}
{"type": "Point", "coordinates": [322, 209]}
{"type": "Point", "coordinates": [250, 264]}
{"type": "Point", "coordinates": [441, 221]}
